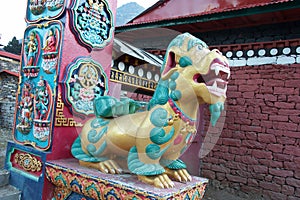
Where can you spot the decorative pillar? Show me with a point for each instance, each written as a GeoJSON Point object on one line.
{"type": "Point", "coordinates": [66, 61]}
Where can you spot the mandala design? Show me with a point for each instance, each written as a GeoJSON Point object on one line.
{"type": "Point", "coordinates": [85, 81]}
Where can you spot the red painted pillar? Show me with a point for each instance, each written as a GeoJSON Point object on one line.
{"type": "Point", "coordinates": [81, 51]}
{"type": "Point", "coordinates": [85, 51]}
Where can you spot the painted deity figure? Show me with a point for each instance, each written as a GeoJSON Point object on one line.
{"type": "Point", "coordinates": [42, 103]}
{"type": "Point", "coordinates": [26, 104]}
{"type": "Point", "coordinates": [31, 49]}
{"type": "Point", "coordinates": [86, 85]}
{"type": "Point", "coordinates": [50, 52]}
{"type": "Point", "coordinates": [37, 7]}
{"type": "Point", "coordinates": [50, 43]}
{"type": "Point", "coordinates": [41, 100]}
{"type": "Point", "coordinates": [26, 108]}
{"type": "Point", "coordinates": [96, 5]}
{"type": "Point", "coordinates": [54, 4]}
{"type": "Point", "coordinates": [37, 2]}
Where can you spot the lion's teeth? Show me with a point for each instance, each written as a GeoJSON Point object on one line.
{"type": "Point", "coordinates": [217, 70]}
{"type": "Point", "coordinates": [228, 75]}
{"type": "Point", "coordinates": [215, 85]}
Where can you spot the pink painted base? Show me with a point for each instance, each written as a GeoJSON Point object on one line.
{"type": "Point", "coordinates": [64, 173]}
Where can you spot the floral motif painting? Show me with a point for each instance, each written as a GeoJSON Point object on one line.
{"type": "Point", "coordinates": [92, 23]}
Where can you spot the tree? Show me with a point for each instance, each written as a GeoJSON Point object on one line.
{"type": "Point", "coordinates": [13, 46]}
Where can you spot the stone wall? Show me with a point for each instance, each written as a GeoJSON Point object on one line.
{"type": "Point", "coordinates": [8, 91]}
{"type": "Point", "coordinates": [258, 150]}
{"type": "Point", "coordinates": [7, 110]}
{"type": "Point", "coordinates": [9, 86]}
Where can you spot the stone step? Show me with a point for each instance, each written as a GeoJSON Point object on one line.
{"type": "Point", "coordinates": [9, 192]}
{"type": "Point", "coordinates": [4, 177]}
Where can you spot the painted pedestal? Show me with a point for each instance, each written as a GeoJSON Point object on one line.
{"type": "Point", "coordinates": [75, 182]}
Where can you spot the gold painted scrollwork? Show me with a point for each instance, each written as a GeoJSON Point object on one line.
{"type": "Point", "coordinates": [28, 162]}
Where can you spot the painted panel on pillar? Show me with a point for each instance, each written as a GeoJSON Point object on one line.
{"type": "Point", "coordinates": [38, 10]}
{"type": "Point", "coordinates": [25, 163]}
{"type": "Point", "coordinates": [85, 80]}
{"type": "Point", "coordinates": [26, 166]}
{"type": "Point", "coordinates": [37, 84]}
{"type": "Point", "coordinates": [92, 23]}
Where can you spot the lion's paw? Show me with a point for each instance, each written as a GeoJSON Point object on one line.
{"type": "Point", "coordinates": [160, 181]}
{"type": "Point", "coordinates": [180, 175]}
{"type": "Point", "coordinates": [108, 166]}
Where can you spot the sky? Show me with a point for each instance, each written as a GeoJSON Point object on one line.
{"type": "Point", "coordinates": [12, 17]}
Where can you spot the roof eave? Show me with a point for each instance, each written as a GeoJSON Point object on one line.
{"type": "Point", "coordinates": [10, 55]}
{"type": "Point", "coordinates": [210, 17]}
{"type": "Point", "coordinates": [157, 4]}
{"type": "Point", "coordinates": [16, 74]}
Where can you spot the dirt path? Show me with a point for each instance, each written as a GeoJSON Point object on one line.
{"type": "Point", "coordinates": [215, 194]}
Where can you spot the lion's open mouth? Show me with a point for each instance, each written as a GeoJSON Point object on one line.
{"type": "Point", "coordinates": [216, 78]}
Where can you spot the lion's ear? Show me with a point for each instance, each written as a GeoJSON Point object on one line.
{"type": "Point", "coordinates": [170, 65]}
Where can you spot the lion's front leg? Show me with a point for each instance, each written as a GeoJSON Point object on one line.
{"type": "Point", "coordinates": [176, 170]}
{"type": "Point", "coordinates": [148, 170]}
{"type": "Point", "coordinates": [153, 139]}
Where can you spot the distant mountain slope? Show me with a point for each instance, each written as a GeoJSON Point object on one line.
{"type": "Point", "coordinates": [127, 12]}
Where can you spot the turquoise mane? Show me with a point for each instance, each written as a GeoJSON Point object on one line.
{"type": "Point", "coordinates": [162, 93]}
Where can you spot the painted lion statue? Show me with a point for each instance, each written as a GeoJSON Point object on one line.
{"type": "Point", "coordinates": [150, 143]}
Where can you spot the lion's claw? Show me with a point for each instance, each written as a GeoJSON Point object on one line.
{"type": "Point", "coordinates": [108, 166]}
{"type": "Point", "coordinates": [180, 175]}
{"type": "Point", "coordinates": [163, 180]}
{"type": "Point", "coordinates": [160, 181]}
